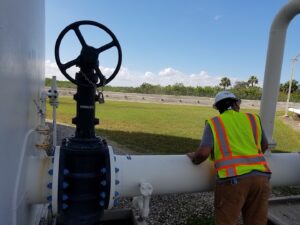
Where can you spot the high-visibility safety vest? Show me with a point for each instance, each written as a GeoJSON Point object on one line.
{"type": "Point", "coordinates": [237, 144]}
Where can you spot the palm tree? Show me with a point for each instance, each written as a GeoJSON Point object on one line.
{"type": "Point", "coordinates": [225, 82]}
{"type": "Point", "coordinates": [252, 80]}
{"type": "Point", "coordinates": [285, 87]}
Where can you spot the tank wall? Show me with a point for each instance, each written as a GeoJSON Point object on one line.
{"type": "Point", "coordinates": [22, 35]}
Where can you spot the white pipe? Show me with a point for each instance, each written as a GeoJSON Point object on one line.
{"type": "Point", "coordinates": [166, 173]}
{"type": "Point", "coordinates": [54, 201]}
{"type": "Point", "coordinates": [32, 174]}
{"type": "Point", "coordinates": [177, 174]}
{"type": "Point", "coordinates": [54, 134]}
{"type": "Point", "coordinates": [37, 179]}
{"type": "Point", "coordinates": [274, 63]}
{"type": "Point", "coordinates": [285, 169]}
{"type": "Point", "coordinates": [146, 190]}
{"type": "Point", "coordinates": [16, 199]}
{"type": "Point", "coordinates": [146, 209]}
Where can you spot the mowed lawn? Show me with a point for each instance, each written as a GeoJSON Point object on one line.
{"type": "Point", "coordinates": [161, 128]}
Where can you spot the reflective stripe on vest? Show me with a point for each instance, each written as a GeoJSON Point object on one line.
{"type": "Point", "coordinates": [223, 143]}
{"type": "Point", "coordinates": [239, 160]}
{"type": "Point", "coordinates": [221, 136]}
{"type": "Point", "coordinates": [254, 127]}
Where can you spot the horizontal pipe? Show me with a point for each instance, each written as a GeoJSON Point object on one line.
{"type": "Point", "coordinates": [285, 169]}
{"type": "Point", "coordinates": [176, 174]}
{"type": "Point", "coordinates": [166, 173]}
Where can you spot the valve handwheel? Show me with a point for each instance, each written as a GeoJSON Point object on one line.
{"type": "Point", "coordinates": [88, 60]}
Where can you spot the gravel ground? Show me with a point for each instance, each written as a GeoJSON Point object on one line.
{"type": "Point", "coordinates": [175, 209]}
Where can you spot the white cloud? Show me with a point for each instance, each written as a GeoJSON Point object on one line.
{"type": "Point", "coordinates": [167, 76]}
{"type": "Point", "coordinates": [169, 72]}
{"type": "Point", "coordinates": [51, 69]}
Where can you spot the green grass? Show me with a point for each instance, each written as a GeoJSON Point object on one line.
{"type": "Point", "coordinates": [196, 220]}
{"type": "Point", "coordinates": [161, 128]}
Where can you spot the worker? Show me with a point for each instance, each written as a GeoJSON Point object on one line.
{"type": "Point", "coordinates": [235, 142]}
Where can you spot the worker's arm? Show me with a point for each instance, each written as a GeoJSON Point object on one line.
{"type": "Point", "coordinates": [205, 148]}
{"type": "Point", "coordinates": [264, 142]}
{"type": "Point", "coordinates": [200, 155]}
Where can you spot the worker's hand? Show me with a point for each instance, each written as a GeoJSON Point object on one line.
{"type": "Point", "coordinates": [191, 155]}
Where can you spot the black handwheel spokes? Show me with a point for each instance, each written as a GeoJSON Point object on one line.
{"type": "Point", "coordinates": [106, 47]}
{"type": "Point", "coordinates": [101, 77]}
{"type": "Point", "coordinates": [79, 36]}
{"type": "Point", "coordinates": [70, 64]}
{"type": "Point", "coordinates": [88, 58]}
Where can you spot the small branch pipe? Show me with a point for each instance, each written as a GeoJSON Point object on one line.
{"type": "Point", "coordinates": [274, 64]}
{"type": "Point", "coordinates": [53, 96]}
{"type": "Point", "coordinates": [176, 174]}
{"type": "Point", "coordinates": [16, 200]}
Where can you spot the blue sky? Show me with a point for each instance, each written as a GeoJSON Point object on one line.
{"type": "Point", "coordinates": [195, 42]}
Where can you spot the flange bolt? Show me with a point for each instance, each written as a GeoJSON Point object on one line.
{"type": "Point", "coordinates": [50, 172]}
{"type": "Point", "coordinates": [102, 195]}
{"type": "Point", "coordinates": [65, 197]}
{"type": "Point", "coordinates": [103, 183]}
{"type": "Point", "coordinates": [66, 171]}
{"type": "Point", "coordinates": [65, 206]}
{"type": "Point", "coordinates": [101, 203]}
{"type": "Point", "coordinates": [103, 170]}
{"type": "Point", "coordinates": [65, 185]}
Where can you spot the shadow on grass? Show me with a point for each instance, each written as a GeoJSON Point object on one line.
{"type": "Point", "coordinates": [150, 143]}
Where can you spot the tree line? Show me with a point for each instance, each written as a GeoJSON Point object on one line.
{"type": "Point", "coordinates": [243, 89]}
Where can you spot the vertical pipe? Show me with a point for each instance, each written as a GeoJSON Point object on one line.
{"type": "Point", "coordinates": [16, 192]}
{"type": "Point", "coordinates": [274, 64]}
{"type": "Point", "coordinates": [85, 120]}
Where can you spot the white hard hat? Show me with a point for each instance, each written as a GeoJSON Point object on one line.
{"type": "Point", "coordinates": [223, 95]}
